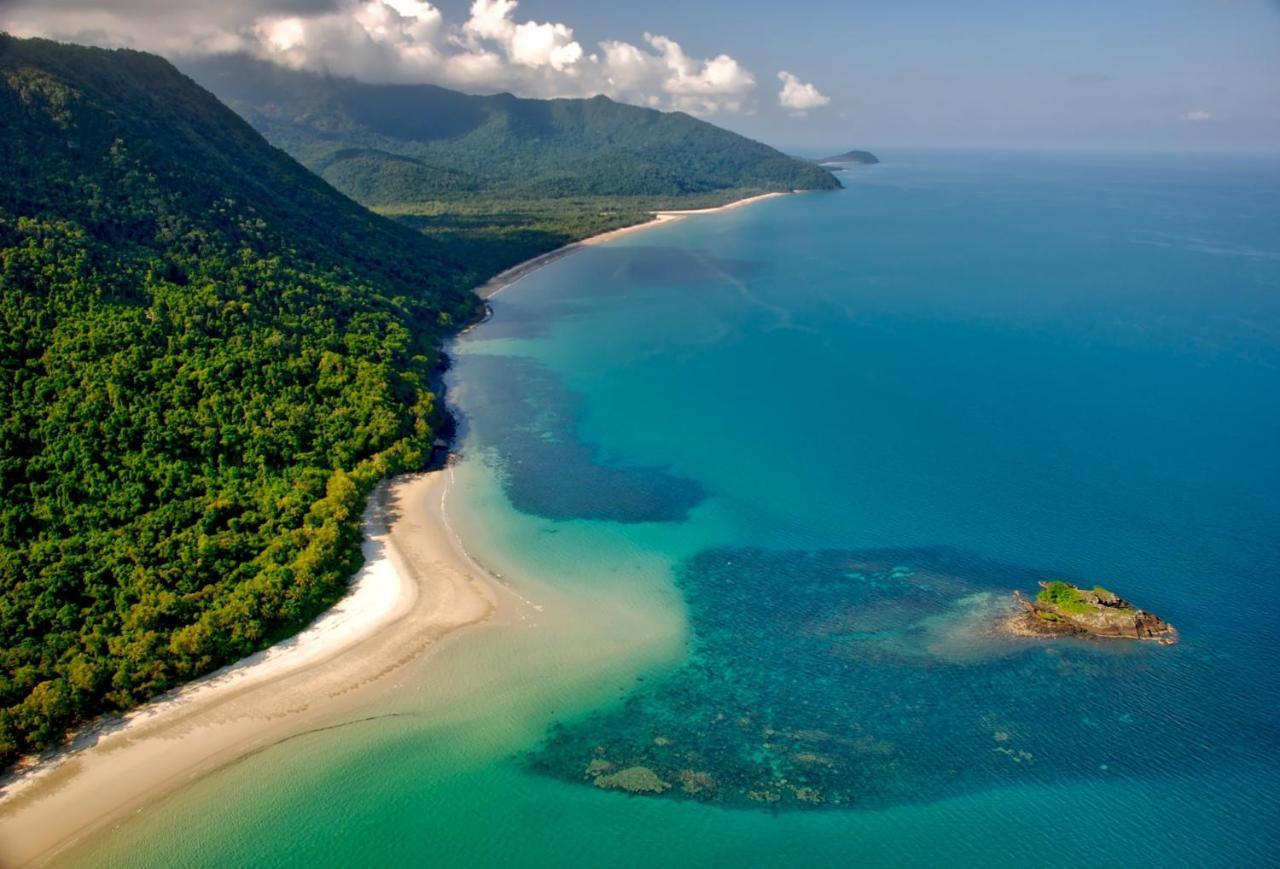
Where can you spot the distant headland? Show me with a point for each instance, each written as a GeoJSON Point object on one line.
{"type": "Point", "coordinates": [1061, 608]}
{"type": "Point", "coordinates": [865, 158]}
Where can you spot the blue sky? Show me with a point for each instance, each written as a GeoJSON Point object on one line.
{"type": "Point", "coordinates": [1127, 74]}
{"type": "Point", "coordinates": [1020, 74]}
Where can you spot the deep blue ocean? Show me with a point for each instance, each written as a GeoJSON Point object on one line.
{"type": "Point", "coordinates": [791, 461]}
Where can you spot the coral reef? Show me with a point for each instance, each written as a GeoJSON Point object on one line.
{"type": "Point", "coordinates": [633, 780]}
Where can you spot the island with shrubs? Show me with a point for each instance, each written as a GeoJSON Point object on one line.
{"type": "Point", "coordinates": [1063, 609]}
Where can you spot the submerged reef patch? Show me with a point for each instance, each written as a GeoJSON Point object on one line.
{"type": "Point", "coordinates": [527, 415]}
{"type": "Point", "coordinates": [864, 679]}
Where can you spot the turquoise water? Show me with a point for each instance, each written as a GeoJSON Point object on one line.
{"type": "Point", "coordinates": [772, 474]}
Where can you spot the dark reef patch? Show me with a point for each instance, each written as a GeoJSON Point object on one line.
{"type": "Point", "coordinates": [527, 415]}
{"type": "Point", "coordinates": [872, 678]}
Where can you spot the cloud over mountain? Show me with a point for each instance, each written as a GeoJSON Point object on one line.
{"type": "Point", "coordinates": [411, 41]}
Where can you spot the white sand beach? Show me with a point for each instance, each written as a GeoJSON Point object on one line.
{"type": "Point", "coordinates": [502, 280]}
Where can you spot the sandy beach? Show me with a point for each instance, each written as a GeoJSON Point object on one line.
{"type": "Point", "coordinates": [418, 586]}
{"type": "Point", "coordinates": [502, 280]}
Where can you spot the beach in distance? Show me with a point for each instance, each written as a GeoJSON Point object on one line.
{"type": "Point", "coordinates": [506, 278]}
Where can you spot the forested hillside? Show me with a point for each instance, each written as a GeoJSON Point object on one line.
{"type": "Point", "coordinates": [396, 144]}
{"type": "Point", "coordinates": [498, 178]}
{"type": "Point", "coordinates": [207, 358]}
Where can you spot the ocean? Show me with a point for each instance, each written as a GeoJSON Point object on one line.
{"type": "Point", "coordinates": [769, 478]}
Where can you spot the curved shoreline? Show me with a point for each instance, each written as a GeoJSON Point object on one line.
{"type": "Point", "coordinates": [504, 279]}
{"type": "Point", "coordinates": [417, 587]}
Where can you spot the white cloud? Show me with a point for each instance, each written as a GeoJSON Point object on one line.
{"type": "Point", "coordinates": [701, 86]}
{"type": "Point", "coordinates": [408, 41]}
{"type": "Point", "coordinates": [698, 86]}
{"type": "Point", "coordinates": [1195, 116]}
{"type": "Point", "coordinates": [527, 43]}
{"type": "Point", "coordinates": [799, 96]}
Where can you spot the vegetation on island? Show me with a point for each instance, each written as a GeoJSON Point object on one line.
{"type": "Point", "coordinates": [1062, 608]}
{"type": "Point", "coordinates": [1063, 596]}
{"type": "Point", "coordinates": [1067, 598]}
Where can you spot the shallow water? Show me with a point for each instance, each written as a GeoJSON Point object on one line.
{"type": "Point", "coordinates": [771, 475]}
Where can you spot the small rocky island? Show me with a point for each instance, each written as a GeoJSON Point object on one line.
{"type": "Point", "coordinates": [863, 157]}
{"type": "Point", "coordinates": [1062, 609]}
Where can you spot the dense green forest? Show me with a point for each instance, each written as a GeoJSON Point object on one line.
{"type": "Point", "coordinates": [472, 170]}
{"type": "Point", "coordinates": [209, 357]}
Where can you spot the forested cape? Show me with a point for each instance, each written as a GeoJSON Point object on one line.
{"type": "Point", "coordinates": [389, 144]}
{"type": "Point", "coordinates": [208, 358]}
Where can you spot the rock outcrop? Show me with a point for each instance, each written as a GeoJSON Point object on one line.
{"type": "Point", "coordinates": [1062, 609]}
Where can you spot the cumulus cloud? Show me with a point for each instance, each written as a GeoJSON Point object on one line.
{"type": "Point", "coordinates": [799, 96]}
{"type": "Point", "coordinates": [700, 86]}
{"type": "Point", "coordinates": [411, 41]}
{"type": "Point", "coordinates": [528, 43]}
{"type": "Point", "coordinates": [1195, 116]}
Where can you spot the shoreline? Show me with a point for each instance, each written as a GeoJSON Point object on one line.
{"type": "Point", "coordinates": [418, 587]}
{"type": "Point", "coordinates": [504, 279]}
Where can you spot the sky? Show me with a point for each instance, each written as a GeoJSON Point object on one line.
{"type": "Point", "coordinates": [1134, 75]}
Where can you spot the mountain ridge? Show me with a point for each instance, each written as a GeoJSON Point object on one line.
{"type": "Point", "coordinates": [493, 145]}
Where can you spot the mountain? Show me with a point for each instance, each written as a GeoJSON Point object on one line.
{"type": "Point", "coordinates": [864, 157]}
{"type": "Point", "coordinates": [390, 145]}
{"type": "Point", "coordinates": [207, 358]}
